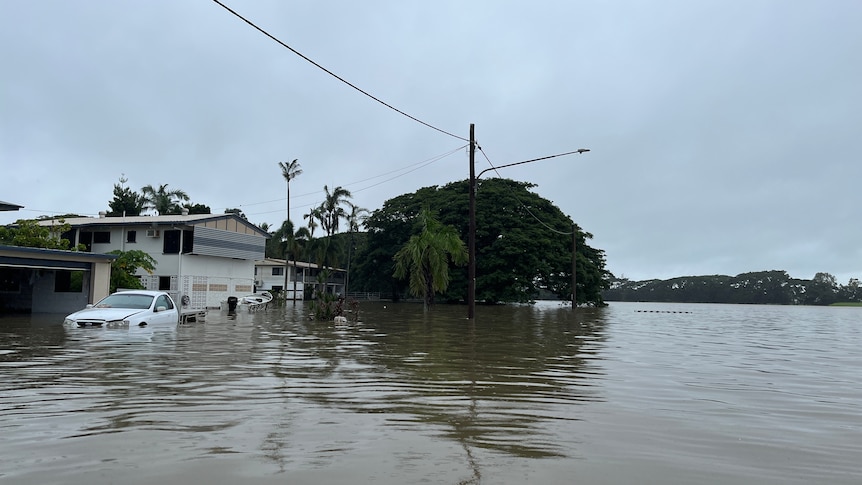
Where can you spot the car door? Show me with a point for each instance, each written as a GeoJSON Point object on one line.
{"type": "Point", "coordinates": [169, 314]}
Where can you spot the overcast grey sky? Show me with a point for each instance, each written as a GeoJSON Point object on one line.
{"type": "Point", "coordinates": [723, 133]}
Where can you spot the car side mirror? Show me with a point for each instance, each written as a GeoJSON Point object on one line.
{"type": "Point", "coordinates": [161, 308]}
{"type": "Point", "coordinates": [89, 305]}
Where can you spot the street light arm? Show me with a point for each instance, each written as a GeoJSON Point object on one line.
{"type": "Point", "coordinates": [578, 151]}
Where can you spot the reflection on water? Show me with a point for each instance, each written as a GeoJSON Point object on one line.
{"type": "Point", "coordinates": [521, 394]}
{"type": "Point", "coordinates": [499, 383]}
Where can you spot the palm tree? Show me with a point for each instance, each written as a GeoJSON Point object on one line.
{"type": "Point", "coordinates": [354, 219]}
{"type": "Point", "coordinates": [163, 201]}
{"type": "Point", "coordinates": [313, 216]}
{"type": "Point", "coordinates": [298, 244]}
{"type": "Point", "coordinates": [289, 171]}
{"type": "Point", "coordinates": [332, 208]}
{"type": "Point", "coordinates": [426, 257]}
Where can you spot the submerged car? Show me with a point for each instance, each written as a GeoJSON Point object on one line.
{"type": "Point", "coordinates": [132, 308]}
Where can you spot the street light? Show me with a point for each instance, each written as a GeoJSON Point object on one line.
{"type": "Point", "coordinates": [471, 269]}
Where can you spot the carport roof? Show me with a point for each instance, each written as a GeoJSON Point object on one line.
{"type": "Point", "coordinates": [21, 257]}
{"type": "Point", "coordinates": [8, 206]}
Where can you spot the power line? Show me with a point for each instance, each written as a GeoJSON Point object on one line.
{"type": "Point", "coordinates": [424, 164]}
{"type": "Point", "coordinates": [409, 168]}
{"type": "Point", "coordinates": [512, 192]}
{"type": "Point", "coordinates": [336, 76]}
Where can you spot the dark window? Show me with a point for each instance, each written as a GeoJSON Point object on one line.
{"type": "Point", "coordinates": [69, 236]}
{"type": "Point", "coordinates": [86, 239]}
{"type": "Point", "coordinates": [188, 241]}
{"type": "Point", "coordinates": [10, 280]}
{"type": "Point", "coordinates": [66, 281]}
{"type": "Point", "coordinates": [172, 242]}
{"type": "Point", "coordinates": [101, 237]}
{"type": "Point", "coordinates": [277, 271]}
{"type": "Point", "coordinates": [131, 236]}
{"type": "Point", "coordinates": [165, 283]}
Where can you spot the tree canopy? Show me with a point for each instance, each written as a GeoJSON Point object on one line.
{"type": "Point", "coordinates": [28, 233]}
{"type": "Point", "coordinates": [125, 267]}
{"type": "Point", "coordinates": [523, 244]}
{"type": "Point", "coordinates": [762, 287]}
{"type": "Point", "coordinates": [162, 200]}
{"type": "Point", "coordinates": [126, 201]}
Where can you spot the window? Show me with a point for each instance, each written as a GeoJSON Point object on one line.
{"type": "Point", "coordinates": [10, 280]}
{"type": "Point", "coordinates": [164, 283]}
{"type": "Point", "coordinates": [101, 237]}
{"type": "Point", "coordinates": [188, 241]}
{"type": "Point", "coordinates": [86, 239]}
{"type": "Point", "coordinates": [164, 302]}
{"type": "Point", "coordinates": [131, 236]}
{"type": "Point", "coordinates": [66, 281]}
{"type": "Point", "coordinates": [172, 242]}
{"type": "Point", "coordinates": [277, 271]}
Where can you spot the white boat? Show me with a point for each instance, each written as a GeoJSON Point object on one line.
{"type": "Point", "coordinates": [257, 299]}
{"type": "Point", "coordinates": [248, 303]}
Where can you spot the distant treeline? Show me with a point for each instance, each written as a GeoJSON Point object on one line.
{"type": "Point", "coordinates": [765, 287]}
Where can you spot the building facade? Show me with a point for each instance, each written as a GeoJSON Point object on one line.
{"type": "Point", "coordinates": [301, 283]}
{"type": "Point", "coordinates": [201, 259]}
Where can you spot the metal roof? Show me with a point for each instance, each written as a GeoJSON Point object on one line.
{"type": "Point", "coordinates": [8, 206]}
{"type": "Point", "coordinates": [166, 220]}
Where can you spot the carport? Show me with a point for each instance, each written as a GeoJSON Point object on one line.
{"type": "Point", "coordinates": [36, 280]}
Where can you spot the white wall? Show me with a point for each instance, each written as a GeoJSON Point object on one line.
{"type": "Point", "coordinates": [207, 280]}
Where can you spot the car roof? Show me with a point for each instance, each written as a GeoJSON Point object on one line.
{"type": "Point", "coordinates": [139, 292]}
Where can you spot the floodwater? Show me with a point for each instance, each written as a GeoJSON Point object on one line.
{"type": "Point", "coordinates": [632, 393]}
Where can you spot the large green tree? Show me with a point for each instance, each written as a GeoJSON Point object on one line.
{"type": "Point", "coordinates": [28, 233]}
{"type": "Point", "coordinates": [124, 268]}
{"type": "Point", "coordinates": [126, 201]}
{"type": "Point", "coordinates": [523, 244]}
{"type": "Point", "coordinates": [198, 208]}
{"type": "Point", "coordinates": [426, 257]}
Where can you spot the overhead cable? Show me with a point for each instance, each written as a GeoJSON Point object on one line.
{"type": "Point", "coordinates": [336, 76]}
{"type": "Point", "coordinates": [519, 200]}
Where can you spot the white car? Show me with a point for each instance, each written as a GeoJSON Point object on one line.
{"type": "Point", "coordinates": [132, 308]}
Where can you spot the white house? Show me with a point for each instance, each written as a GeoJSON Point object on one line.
{"type": "Point", "coordinates": [269, 276]}
{"type": "Point", "coordinates": [201, 259]}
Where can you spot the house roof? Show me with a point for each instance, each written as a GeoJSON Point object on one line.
{"type": "Point", "coordinates": [8, 206]}
{"type": "Point", "coordinates": [166, 220]}
{"type": "Point", "coordinates": [280, 262]}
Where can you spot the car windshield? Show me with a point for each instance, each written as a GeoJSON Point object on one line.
{"type": "Point", "coordinates": [120, 300]}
